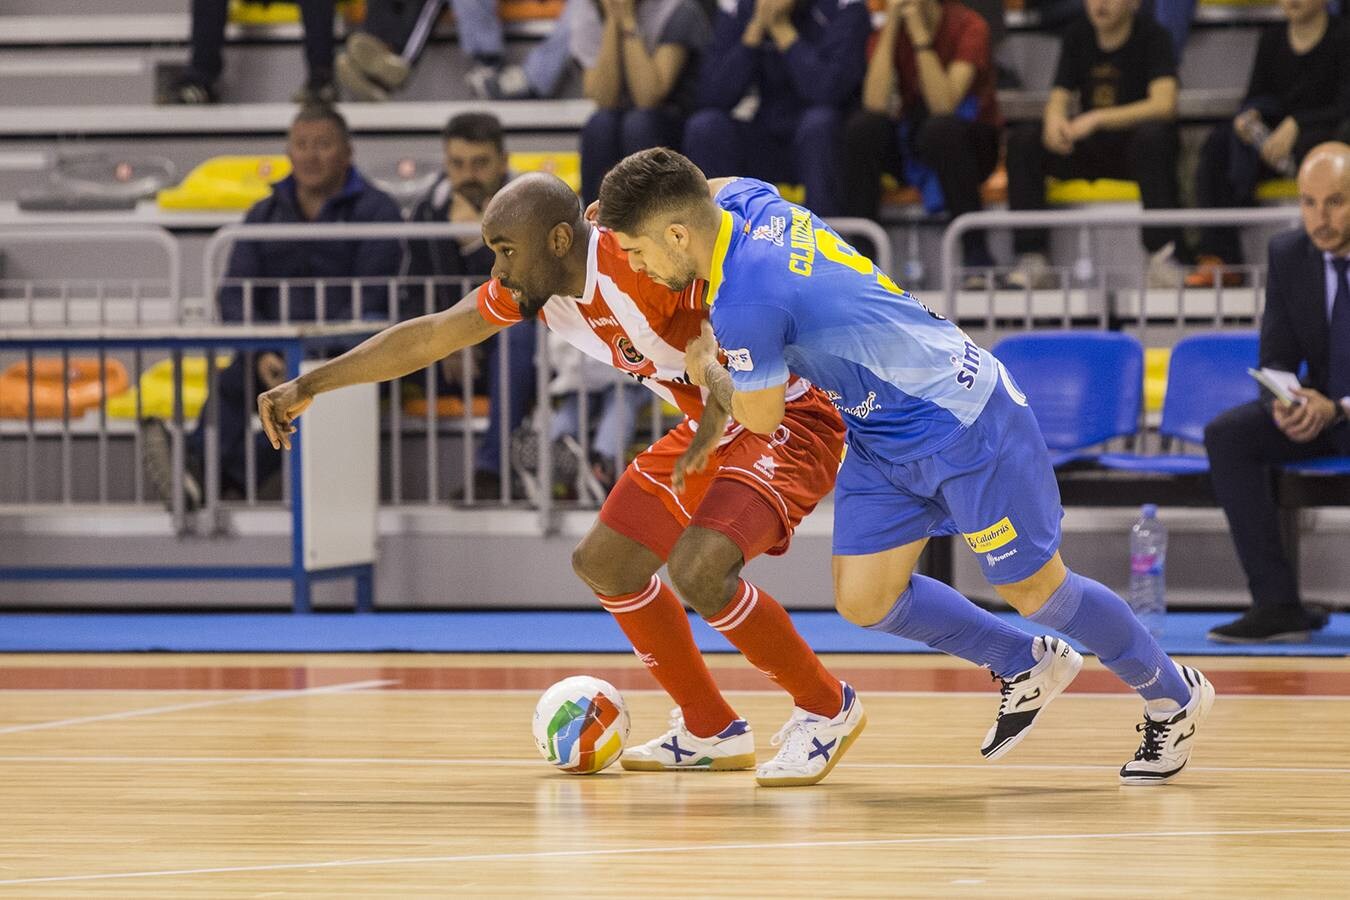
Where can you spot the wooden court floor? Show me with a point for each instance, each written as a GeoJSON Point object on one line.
{"type": "Point", "coordinates": [415, 776]}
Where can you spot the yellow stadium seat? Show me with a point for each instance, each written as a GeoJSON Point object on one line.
{"type": "Point", "coordinates": [243, 12]}
{"type": "Point", "coordinates": [1276, 190]}
{"type": "Point", "coordinates": [226, 183]}
{"type": "Point", "coordinates": [1156, 360]}
{"type": "Point", "coordinates": [156, 390]}
{"type": "Point", "coordinates": [566, 164]}
{"type": "Point", "coordinates": [1075, 191]}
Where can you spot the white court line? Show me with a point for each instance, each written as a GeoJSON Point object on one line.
{"type": "Point", "coordinates": [179, 707]}
{"type": "Point", "coordinates": [688, 848]}
{"type": "Point", "coordinates": [534, 763]}
{"type": "Point", "coordinates": [754, 692]}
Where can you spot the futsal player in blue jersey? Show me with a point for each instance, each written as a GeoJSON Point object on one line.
{"type": "Point", "coordinates": [940, 441]}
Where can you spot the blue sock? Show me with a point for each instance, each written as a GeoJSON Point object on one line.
{"type": "Point", "coordinates": [1093, 615]}
{"type": "Point", "coordinates": [937, 615]}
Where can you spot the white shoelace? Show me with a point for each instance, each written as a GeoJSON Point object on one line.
{"type": "Point", "coordinates": [793, 736]}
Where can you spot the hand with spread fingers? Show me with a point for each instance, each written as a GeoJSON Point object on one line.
{"type": "Point", "coordinates": [279, 408]}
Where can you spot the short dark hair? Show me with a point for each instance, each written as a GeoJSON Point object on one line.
{"type": "Point", "coordinates": [476, 128]}
{"type": "Point", "coordinates": [323, 112]}
{"type": "Point", "coordinates": [649, 183]}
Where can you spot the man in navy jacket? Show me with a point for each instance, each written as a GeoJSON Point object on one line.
{"type": "Point", "coordinates": [323, 186]}
{"type": "Point", "coordinates": [1306, 322]}
{"type": "Point", "coordinates": [806, 57]}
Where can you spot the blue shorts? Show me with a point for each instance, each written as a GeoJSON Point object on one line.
{"type": "Point", "coordinates": [994, 485]}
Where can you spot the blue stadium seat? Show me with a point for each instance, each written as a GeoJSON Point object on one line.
{"type": "Point", "coordinates": [1325, 465]}
{"type": "Point", "coordinates": [1207, 375]}
{"type": "Point", "coordinates": [1085, 387]}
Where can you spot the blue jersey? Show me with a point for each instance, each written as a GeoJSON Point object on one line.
{"type": "Point", "coordinates": [787, 294]}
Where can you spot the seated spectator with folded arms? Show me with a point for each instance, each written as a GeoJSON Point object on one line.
{"type": "Point", "coordinates": [640, 61]}
{"type": "Point", "coordinates": [1306, 323]}
{"type": "Point", "coordinates": [1119, 66]}
{"type": "Point", "coordinates": [1298, 97]}
{"type": "Point", "coordinates": [806, 59]}
{"type": "Point", "coordinates": [929, 116]}
{"type": "Point", "coordinates": [323, 186]}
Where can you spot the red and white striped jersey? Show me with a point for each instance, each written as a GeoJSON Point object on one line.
{"type": "Point", "coordinates": [624, 319]}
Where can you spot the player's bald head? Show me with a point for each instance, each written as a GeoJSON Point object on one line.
{"type": "Point", "coordinates": [531, 205]}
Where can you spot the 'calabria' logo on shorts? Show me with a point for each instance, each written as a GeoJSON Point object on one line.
{"type": "Point", "coordinates": [997, 535]}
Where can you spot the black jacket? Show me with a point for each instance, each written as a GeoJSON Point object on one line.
{"type": "Point", "coordinates": [1294, 327]}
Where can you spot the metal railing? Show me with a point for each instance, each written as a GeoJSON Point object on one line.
{"type": "Point", "coordinates": [92, 457]}
{"type": "Point", "coordinates": [1101, 296]}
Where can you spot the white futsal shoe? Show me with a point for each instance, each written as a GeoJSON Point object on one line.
{"type": "Point", "coordinates": [1026, 694]}
{"type": "Point", "coordinates": [809, 745]}
{"type": "Point", "coordinates": [1168, 741]}
{"type": "Point", "coordinates": [678, 750]}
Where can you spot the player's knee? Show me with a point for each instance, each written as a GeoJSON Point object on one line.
{"type": "Point", "coordinates": [861, 607]}
{"type": "Point", "coordinates": [603, 572]}
{"type": "Point", "coordinates": [704, 573]}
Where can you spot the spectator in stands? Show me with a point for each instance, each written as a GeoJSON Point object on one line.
{"type": "Point", "coordinates": [1121, 66]}
{"type": "Point", "coordinates": [323, 186]}
{"type": "Point", "coordinates": [929, 114]}
{"type": "Point", "coordinates": [1298, 97]}
{"type": "Point", "coordinates": [1306, 323]}
{"type": "Point", "coordinates": [1173, 15]}
{"type": "Point", "coordinates": [378, 59]}
{"type": "Point", "coordinates": [806, 59]}
{"type": "Point", "coordinates": [198, 83]}
{"type": "Point", "coordinates": [639, 59]}
{"type": "Point", "coordinates": [475, 169]}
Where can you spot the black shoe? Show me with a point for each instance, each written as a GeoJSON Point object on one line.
{"type": "Point", "coordinates": [1265, 626]}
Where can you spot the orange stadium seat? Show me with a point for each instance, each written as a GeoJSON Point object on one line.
{"type": "Point", "coordinates": [81, 386]}
{"type": "Point", "coordinates": [448, 406]}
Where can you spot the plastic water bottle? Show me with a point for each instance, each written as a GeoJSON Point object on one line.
{"type": "Point", "coordinates": [1148, 559]}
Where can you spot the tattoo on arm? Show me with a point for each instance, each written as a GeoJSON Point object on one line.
{"type": "Point", "coordinates": [719, 384]}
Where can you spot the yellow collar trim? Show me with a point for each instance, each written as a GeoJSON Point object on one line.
{"type": "Point", "coordinates": [720, 247]}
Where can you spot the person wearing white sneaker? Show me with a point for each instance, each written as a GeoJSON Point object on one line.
{"type": "Point", "coordinates": [809, 746]}
{"type": "Point", "coordinates": [730, 749]}
{"type": "Point", "coordinates": [1026, 694]}
{"type": "Point", "coordinates": [940, 438]}
{"type": "Point", "coordinates": [1169, 733]}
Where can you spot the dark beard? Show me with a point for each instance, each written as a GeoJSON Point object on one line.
{"type": "Point", "coordinates": [530, 306]}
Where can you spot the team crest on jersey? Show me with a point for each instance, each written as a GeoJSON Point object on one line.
{"type": "Point", "coordinates": [773, 232]}
{"type": "Point", "coordinates": [740, 360]}
{"type": "Point", "coordinates": [629, 356]}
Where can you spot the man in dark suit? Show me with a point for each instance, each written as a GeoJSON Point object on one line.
{"type": "Point", "coordinates": [1306, 321]}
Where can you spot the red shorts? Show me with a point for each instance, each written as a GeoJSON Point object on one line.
{"type": "Point", "coordinates": [755, 489]}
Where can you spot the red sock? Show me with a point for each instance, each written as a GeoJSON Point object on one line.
{"type": "Point", "coordinates": [656, 624]}
{"type": "Point", "coordinates": [759, 627]}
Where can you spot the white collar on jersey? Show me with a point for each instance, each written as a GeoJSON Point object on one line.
{"type": "Point", "coordinates": [592, 266]}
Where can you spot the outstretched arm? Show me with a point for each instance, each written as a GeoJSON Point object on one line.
{"type": "Point", "coordinates": [394, 352]}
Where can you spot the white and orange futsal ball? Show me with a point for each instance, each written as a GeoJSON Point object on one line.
{"type": "Point", "coordinates": [581, 724]}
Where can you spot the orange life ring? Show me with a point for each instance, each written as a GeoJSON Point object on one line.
{"type": "Point", "coordinates": [82, 385]}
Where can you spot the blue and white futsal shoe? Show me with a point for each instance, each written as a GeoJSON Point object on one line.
{"type": "Point", "coordinates": [1029, 692]}
{"type": "Point", "coordinates": [1168, 740]}
{"type": "Point", "coordinates": [809, 745]}
{"type": "Point", "coordinates": [677, 750]}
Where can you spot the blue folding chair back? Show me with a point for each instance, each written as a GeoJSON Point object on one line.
{"type": "Point", "coordinates": [1207, 375]}
{"type": "Point", "coordinates": [1084, 387]}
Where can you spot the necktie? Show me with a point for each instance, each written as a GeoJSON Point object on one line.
{"type": "Point", "coordinates": [1338, 380]}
